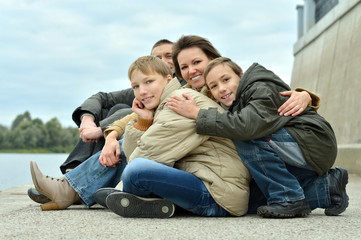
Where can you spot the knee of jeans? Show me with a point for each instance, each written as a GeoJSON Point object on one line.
{"type": "Point", "coordinates": [134, 169]}
{"type": "Point", "coordinates": [124, 110]}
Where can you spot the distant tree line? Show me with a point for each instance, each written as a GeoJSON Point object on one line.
{"type": "Point", "coordinates": [32, 135]}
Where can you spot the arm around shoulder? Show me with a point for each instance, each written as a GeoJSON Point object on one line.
{"type": "Point", "coordinates": [315, 100]}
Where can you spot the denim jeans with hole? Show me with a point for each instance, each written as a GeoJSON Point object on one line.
{"type": "Point", "coordinates": [147, 178]}
{"type": "Point", "coordinates": [90, 176]}
{"type": "Point", "coordinates": [282, 174]}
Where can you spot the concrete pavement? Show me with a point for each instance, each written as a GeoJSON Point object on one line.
{"type": "Point", "coordinates": [21, 218]}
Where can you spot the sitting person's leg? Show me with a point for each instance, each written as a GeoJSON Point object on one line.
{"type": "Point", "coordinates": [284, 194]}
{"type": "Point", "coordinates": [83, 150]}
{"type": "Point", "coordinates": [289, 167]}
{"type": "Point", "coordinates": [83, 181]}
{"type": "Point", "coordinates": [146, 178]}
{"type": "Point", "coordinates": [256, 198]}
{"type": "Point", "coordinates": [327, 191]}
{"type": "Point", "coordinates": [314, 187]}
{"type": "Point", "coordinates": [90, 176]}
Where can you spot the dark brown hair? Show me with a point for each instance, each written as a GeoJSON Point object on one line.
{"type": "Point", "coordinates": [192, 41]}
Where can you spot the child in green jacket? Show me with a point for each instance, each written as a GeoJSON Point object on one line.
{"type": "Point", "coordinates": [288, 157]}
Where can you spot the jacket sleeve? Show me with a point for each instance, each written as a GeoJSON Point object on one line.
{"type": "Point", "coordinates": [170, 138]}
{"type": "Point", "coordinates": [102, 100]}
{"type": "Point", "coordinates": [131, 137]}
{"type": "Point", "coordinates": [315, 100]}
{"type": "Point", "coordinates": [120, 125]}
{"type": "Point", "coordinates": [255, 116]}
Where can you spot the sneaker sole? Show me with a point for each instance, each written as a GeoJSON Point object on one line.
{"type": "Point", "coordinates": [100, 199]}
{"type": "Point", "coordinates": [269, 214]}
{"type": "Point", "coordinates": [344, 204]}
{"type": "Point", "coordinates": [129, 205]}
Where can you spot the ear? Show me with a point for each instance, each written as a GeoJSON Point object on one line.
{"type": "Point", "coordinates": [169, 77]}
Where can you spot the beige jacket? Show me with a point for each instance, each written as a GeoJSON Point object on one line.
{"type": "Point", "coordinates": [172, 140]}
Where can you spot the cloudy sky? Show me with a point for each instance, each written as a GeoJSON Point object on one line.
{"type": "Point", "coordinates": [56, 53]}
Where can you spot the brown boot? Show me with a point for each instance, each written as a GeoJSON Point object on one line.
{"type": "Point", "coordinates": [61, 194]}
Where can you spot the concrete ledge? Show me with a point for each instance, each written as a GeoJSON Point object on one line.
{"type": "Point", "coordinates": [330, 18]}
{"type": "Point", "coordinates": [349, 157]}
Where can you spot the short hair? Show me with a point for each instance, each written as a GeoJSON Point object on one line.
{"type": "Point", "coordinates": [192, 41]}
{"type": "Point", "coordinates": [160, 42]}
{"type": "Point", "coordinates": [224, 61]}
{"type": "Point", "coordinates": [148, 64]}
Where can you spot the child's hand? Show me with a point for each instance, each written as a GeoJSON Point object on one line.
{"type": "Point", "coordinates": [110, 155]}
{"type": "Point", "coordinates": [186, 106]}
{"type": "Point", "coordinates": [139, 109]}
{"type": "Point", "coordinates": [296, 104]}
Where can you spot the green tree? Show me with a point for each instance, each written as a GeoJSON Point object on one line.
{"type": "Point", "coordinates": [19, 119]}
{"type": "Point", "coordinates": [54, 129]}
{"type": "Point", "coordinates": [69, 136]}
{"type": "Point", "coordinates": [27, 134]}
{"type": "Point", "coordinates": [40, 133]}
{"type": "Point", "coordinates": [4, 137]}
{"type": "Point", "coordinates": [17, 136]}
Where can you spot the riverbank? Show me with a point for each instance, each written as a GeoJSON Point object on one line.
{"type": "Point", "coordinates": [23, 219]}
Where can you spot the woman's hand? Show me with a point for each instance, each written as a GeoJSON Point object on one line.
{"type": "Point", "coordinates": [186, 106]}
{"type": "Point", "coordinates": [139, 109]}
{"type": "Point", "coordinates": [110, 155]}
{"type": "Point", "coordinates": [296, 104]}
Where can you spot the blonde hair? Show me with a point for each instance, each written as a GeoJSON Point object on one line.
{"type": "Point", "coordinates": [148, 64]}
{"type": "Point", "coordinates": [225, 61]}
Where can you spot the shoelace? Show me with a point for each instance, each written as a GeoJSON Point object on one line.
{"type": "Point", "coordinates": [57, 179]}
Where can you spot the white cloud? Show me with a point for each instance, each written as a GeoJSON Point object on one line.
{"type": "Point", "coordinates": [55, 54]}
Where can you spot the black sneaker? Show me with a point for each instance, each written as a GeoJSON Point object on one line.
{"type": "Point", "coordinates": [129, 205]}
{"type": "Point", "coordinates": [337, 180]}
{"type": "Point", "coordinates": [37, 197]}
{"type": "Point", "coordinates": [285, 210]}
{"type": "Point", "coordinates": [100, 196]}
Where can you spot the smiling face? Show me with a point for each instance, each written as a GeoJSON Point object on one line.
{"type": "Point", "coordinates": [192, 62]}
{"type": "Point", "coordinates": [148, 88]}
{"type": "Point", "coordinates": [223, 83]}
{"type": "Point", "coordinates": [164, 52]}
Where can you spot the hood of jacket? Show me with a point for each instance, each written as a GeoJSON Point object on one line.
{"type": "Point", "coordinates": [255, 73]}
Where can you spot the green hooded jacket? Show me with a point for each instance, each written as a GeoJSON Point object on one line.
{"type": "Point", "coordinates": [254, 114]}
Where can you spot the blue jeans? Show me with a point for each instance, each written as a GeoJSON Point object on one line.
{"type": "Point", "coordinates": [282, 174]}
{"type": "Point", "coordinates": [147, 178]}
{"type": "Point", "coordinates": [90, 176]}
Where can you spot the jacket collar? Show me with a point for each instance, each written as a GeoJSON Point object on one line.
{"type": "Point", "coordinates": [171, 86]}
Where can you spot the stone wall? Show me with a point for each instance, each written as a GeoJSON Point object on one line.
{"type": "Point", "coordinates": [327, 61]}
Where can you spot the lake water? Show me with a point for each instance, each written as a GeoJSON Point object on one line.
{"type": "Point", "coordinates": [15, 167]}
